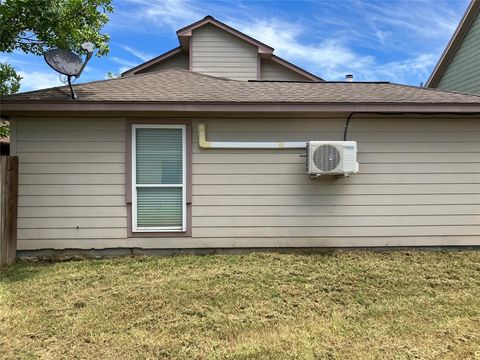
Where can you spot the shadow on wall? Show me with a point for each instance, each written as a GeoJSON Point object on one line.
{"type": "Point", "coordinates": [4, 147]}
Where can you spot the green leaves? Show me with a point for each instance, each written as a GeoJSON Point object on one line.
{"type": "Point", "coordinates": [9, 84]}
{"type": "Point", "coordinates": [4, 129]}
{"type": "Point", "coordinates": [34, 26]}
{"type": "Point", "coordinates": [9, 80]}
{"type": "Point", "coordinates": [112, 75]}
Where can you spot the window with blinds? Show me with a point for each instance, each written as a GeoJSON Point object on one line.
{"type": "Point", "coordinates": [158, 178]}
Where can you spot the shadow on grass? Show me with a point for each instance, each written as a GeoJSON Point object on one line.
{"type": "Point", "coordinates": [27, 268]}
{"type": "Point", "coordinates": [20, 271]}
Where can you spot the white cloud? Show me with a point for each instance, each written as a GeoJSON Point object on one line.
{"type": "Point", "coordinates": [33, 80]}
{"type": "Point", "coordinates": [425, 19]}
{"type": "Point", "coordinates": [13, 61]}
{"type": "Point", "coordinates": [401, 71]}
{"type": "Point", "coordinates": [332, 59]}
{"type": "Point", "coordinates": [123, 62]}
{"type": "Point", "coordinates": [173, 13]}
{"type": "Point", "coordinates": [325, 58]}
{"type": "Point", "coordinates": [137, 53]}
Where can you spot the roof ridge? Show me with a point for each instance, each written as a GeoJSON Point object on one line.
{"type": "Point", "coordinates": [175, 86]}
{"type": "Point", "coordinates": [36, 91]}
{"type": "Point", "coordinates": [177, 69]}
{"type": "Point", "coordinates": [319, 82]}
{"type": "Point", "coordinates": [121, 78]}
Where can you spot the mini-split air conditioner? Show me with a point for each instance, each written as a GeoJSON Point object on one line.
{"type": "Point", "coordinates": [331, 158]}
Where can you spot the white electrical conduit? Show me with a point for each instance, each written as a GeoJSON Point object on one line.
{"type": "Point", "coordinates": [204, 144]}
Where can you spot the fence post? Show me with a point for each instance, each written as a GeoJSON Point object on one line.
{"type": "Point", "coordinates": [8, 209]}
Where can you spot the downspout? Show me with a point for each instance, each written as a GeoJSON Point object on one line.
{"type": "Point", "coordinates": [204, 144]}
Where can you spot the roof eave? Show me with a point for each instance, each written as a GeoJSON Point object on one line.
{"type": "Point", "coordinates": [153, 61]}
{"type": "Point", "coordinates": [295, 68]}
{"type": "Point", "coordinates": [14, 108]}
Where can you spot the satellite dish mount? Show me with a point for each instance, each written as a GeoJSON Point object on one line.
{"type": "Point", "coordinates": [68, 63]}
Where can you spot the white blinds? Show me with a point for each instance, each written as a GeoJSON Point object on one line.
{"type": "Point", "coordinates": [159, 178]}
{"type": "Point", "coordinates": [159, 156]}
{"type": "Point", "coordinates": [159, 207]}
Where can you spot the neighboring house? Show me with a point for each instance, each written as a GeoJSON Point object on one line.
{"type": "Point", "coordinates": [459, 66]}
{"type": "Point", "coordinates": [175, 158]}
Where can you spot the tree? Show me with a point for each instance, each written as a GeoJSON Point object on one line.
{"type": "Point", "coordinates": [9, 84]}
{"type": "Point", "coordinates": [112, 75]}
{"type": "Point", "coordinates": [9, 80]}
{"type": "Point", "coordinates": [34, 26]}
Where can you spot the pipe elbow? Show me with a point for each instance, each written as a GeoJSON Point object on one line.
{"type": "Point", "coordinates": [202, 138]}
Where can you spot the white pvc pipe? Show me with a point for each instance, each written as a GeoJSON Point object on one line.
{"type": "Point", "coordinates": [204, 144]}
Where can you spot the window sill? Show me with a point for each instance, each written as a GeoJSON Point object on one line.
{"type": "Point", "coordinates": [159, 234]}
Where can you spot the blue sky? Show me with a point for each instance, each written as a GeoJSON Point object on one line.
{"type": "Point", "coordinates": [398, 41]}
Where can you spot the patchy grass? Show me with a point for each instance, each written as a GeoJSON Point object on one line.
{"type": "Point", "coordinates": [340, 305]}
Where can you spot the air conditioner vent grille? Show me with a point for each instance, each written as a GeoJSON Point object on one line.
{"type": "Point", "coordinates": [326, 157]}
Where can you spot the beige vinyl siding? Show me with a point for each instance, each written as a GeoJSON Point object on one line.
{"type": "Point", "coordinates": [463, 72]}
{"type": "Point", "coordinates": [71, 174]}
{"type": "Point", "coordinates": [271, 70]}
{"type": "Point", "coordinates": [216, 52]}
{"type": "Point", "coordinates": [419, 179]}
{"type": "Point", "coordinates": [419, 184]}
{"type": "Point", "coordinates": [177, 61]}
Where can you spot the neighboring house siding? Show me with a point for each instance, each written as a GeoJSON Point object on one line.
{"type": "Point", "coordinates": [463, 72]}
{"type": "Point", "coordinates": [419, 184]}
{"type": "Point", "coordinates": [178, 61]}
{"type": "Point", "coordinates": [271, 70]}
{"type": "Point", "coordinates": [216, 52]}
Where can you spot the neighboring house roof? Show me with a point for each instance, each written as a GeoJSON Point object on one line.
{"type": "Point", "coordinates": [194, 92]}
{"type": "Point", "coordinates": [454, 43]}
{"type": "Point", "coordinates": [184, 37]}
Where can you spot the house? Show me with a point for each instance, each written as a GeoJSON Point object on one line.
{"type": "Point", "coordinates": [193, 149]}
{"type": "Point", "coordinates": [459, 66]}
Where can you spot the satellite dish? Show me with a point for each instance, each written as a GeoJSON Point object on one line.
{"type": "Point", "coordinates": [68, 63]}
{"type": "Point", "coordinates": [63, 61]}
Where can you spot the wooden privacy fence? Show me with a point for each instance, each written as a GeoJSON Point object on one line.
{"type": "Point", "coordinates": [8, 209]}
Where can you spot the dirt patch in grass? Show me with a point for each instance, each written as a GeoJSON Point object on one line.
{"type": "Point", "coordinates": [341, 305]}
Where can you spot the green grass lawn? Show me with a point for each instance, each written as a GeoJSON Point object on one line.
{"type": "Point", "coordinates": [339, 305]}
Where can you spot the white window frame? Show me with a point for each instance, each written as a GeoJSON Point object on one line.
{"type": "Point", "coordinates": [135, 227]}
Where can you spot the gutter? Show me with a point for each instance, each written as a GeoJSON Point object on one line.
{"type": "Point", "coordinates": [11, 108]}
{"type": "Point", "coordinates": [205, 144]}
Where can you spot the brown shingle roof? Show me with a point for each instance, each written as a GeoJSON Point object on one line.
{"type": "Point", "coordinates": [182, 86]}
